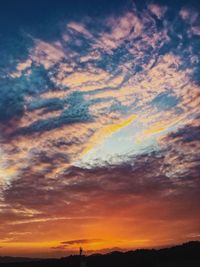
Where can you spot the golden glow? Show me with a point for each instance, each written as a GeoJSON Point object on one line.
{"type": "Point", "coordinates": [155, 129]}
{"type": "Point", "coordinates": [6, 174]}
{"type": "Point", "coordinates": [46, 200]}
{"type": "Point", "coordinates": [106, 131]}
{"type": "Point", "coordinates": [126, 233]}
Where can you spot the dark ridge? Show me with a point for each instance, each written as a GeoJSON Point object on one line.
{"type": "Point", "coordinates": [185, 255]}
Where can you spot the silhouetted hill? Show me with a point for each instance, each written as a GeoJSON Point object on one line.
{"type": "Point", "coordinates": [185, 255]}
{"type": "Point", "coordinates": [9, 259]}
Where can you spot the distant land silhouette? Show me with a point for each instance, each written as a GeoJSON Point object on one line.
{"type": "Point", "coordinates": [185, 255]}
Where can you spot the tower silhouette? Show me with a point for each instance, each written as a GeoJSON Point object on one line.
{"type": "Point", "coordinates": [82, 258]}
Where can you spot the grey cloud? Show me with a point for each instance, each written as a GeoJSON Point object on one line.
{"type": "Point", "coordinates": [11, 101]}
{"type": "Point", "coordinates": [80, 241]}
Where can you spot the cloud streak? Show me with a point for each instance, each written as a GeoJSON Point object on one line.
{"type": "Point", "coordinates": [100, 126]}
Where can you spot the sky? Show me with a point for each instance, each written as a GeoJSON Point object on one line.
{"type": "Point", "coordinates": [99, 125]}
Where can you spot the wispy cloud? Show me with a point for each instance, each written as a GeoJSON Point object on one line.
{"type": "Point", "coordinates": [100, 126]}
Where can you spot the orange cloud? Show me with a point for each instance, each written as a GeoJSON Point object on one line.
{"type": "Point", "coordinates": [157, 10]}
{"type": "Point", "coordinates": [46, 54]}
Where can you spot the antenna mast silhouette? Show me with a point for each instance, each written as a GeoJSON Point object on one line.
{"type": "Point", "coordinates": [82, 258]}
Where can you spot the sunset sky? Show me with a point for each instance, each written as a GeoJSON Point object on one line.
{"type": "Point", "coordinates": [99, 125]}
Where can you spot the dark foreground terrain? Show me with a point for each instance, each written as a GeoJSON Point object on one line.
{"type": "Point", "coordinates": [186, 255]}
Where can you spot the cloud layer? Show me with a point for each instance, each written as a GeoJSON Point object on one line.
{"type": "Point", "coordinates": [100, 125]}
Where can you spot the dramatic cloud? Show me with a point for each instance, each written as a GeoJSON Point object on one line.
{"type": "Point", "coordinates": [99, 131]}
